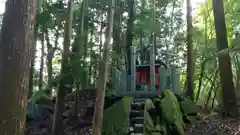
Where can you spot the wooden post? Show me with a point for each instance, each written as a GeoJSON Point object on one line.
{"type": "Point", "coordinates": [178, 81]}
{"type": "Point", "coordinates": [175, 78]}
{"type": "Point", "coordinates": [152, 68]}
{"type": "Point", "coordinates": [168, 79]}
{"type": "Point", "coordinates": [114, 79]}
{"type": "Point", "coordinates": [133, 69]}
{"type": "Point", "coordinates": [118, 79]}
{"type": "Point", "coordinates": [123, 82]}
{"type": "Point", "coordinates": [172, 78]}
{"type": "Point", "coordinates": [163, 78]}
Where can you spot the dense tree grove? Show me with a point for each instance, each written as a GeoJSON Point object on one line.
{"type": "Point", "coordinates": [58, 48]}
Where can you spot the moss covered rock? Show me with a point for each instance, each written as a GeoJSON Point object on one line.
{"type": "Point", "coordinates": [153, 122]}
{"type": "Point", "coordinates": [189, 110]}
{"type": "Point", "coordinates": [116, 117]}
{"type": "Point", "coordinates": [163, 115]}
{"type": "Point", "coordinates": [172, 113]}
{"type": "Point", "coordinates": [189, 107]}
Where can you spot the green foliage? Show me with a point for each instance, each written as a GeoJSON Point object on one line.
{"type": "Point", "coordinates": [205, 43]}
{"type": "Point", "coordinates": [51, 18]}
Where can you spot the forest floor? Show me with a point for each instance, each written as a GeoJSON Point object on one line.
{"type": "Point", "coordinates": [41, 124]}
{"type": "Point", "coordinates": [212, 124]}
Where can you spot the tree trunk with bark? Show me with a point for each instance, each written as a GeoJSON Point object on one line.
{"type": "Point", "coordinates": [64, 81]}
{"type": "Point", "coordinates": [41, 63]}
{"type": "Point", "coordinates": [129, 38]}
{"type": "Point", "coordinates": [33, 43]}
{"type": "Point", "coordinates": [50, 54]}
{"type": "Point", "coordinates": [103, 75]}
{"type": "Point", "coordinates": [190, 73]}
{"type": "Point", "coordinates": [117, 34]}
{"type": "Point", "coordinates": [15, 59]}
{"type": "Point", "coordinates": [226, 77]}
{"type": "Point", "coordinates": [84, 78]}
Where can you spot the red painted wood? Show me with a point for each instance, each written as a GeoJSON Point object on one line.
{"type": "Point", "coordinates": [143, 76]}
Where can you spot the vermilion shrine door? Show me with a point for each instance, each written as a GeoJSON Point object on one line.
{"type": "Point", "coordinates": [143, 76]}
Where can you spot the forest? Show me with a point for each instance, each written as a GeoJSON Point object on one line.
{"type": "Point", "coordinates": [71, 67]}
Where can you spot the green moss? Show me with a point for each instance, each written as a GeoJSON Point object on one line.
{"type": "Point", "coordinates": [149, 127]}
{"type": "Point", "coordinates": [116, 117]}
{"type": "Point", "coordinates": [148, 122]}
{"type": "Point", "coordinates": [171, 111]}
{"type": "Point", "coordinates": [189, 109]}
{"type": "Point", "coordinates": [165, 120]}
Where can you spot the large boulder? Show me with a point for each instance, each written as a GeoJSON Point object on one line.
{"type": "Point", "coordinates": [167, 114]}
{"type": "Point", "coordinates": [171, 111]}
{"type": "Point", "coordinates": [154, 123]}
{"type": "Point", "coordinates": [189, 110]}
{"type": "Point", "coordinates": [40, 106]}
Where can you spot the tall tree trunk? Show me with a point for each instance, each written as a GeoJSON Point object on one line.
{"type": "Point", "coordinates": [32, 69]}
{"type": "Point", "coordinates": [77, 52]}
{"type": "Point", "coordinates": [237, 63]}
{"type": "Point", "coordinates": [64, 81]}
{"type": "Point", "coordinates": [101, 32]}
{"type": "Point", "coordinates": [50, 54]}
{"type": "Point", "coordinates": [226, 77]}
{"type": "Point", "coordinates": [129, 39]}
{"type": "Point", "coordinates": [41, 63]}
{"type": "Point", "coordinates": [103, 75]}
{"type": "Point", "coordinates": [100, 44]}
{"type": "Point", "coordinates": [141, 47]}
{"type": "Point", "coordinates": [117, 33]}
{"type": "Point", "coordinates": [15, 58]}
{"type": "Point", "coordinates": [190, 73]}
{"type": "Point", "coordinates": [85, 55]}
{"type": "Point", "coordinates": [90, 71]}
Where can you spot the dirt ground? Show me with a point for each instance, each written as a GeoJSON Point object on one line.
{"type": "Point", "coordinates": [214, 125]}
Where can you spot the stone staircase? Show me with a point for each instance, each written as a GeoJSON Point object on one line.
{"type": "Point", "coordinates": [136, 117]}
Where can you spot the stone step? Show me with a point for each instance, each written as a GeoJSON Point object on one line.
{"type": "Point", "coordinates": [137, 120]}
{"type": "Point", "coordinates": [138, 125]}
{"type": "Point", "coordinates": [132, 133]}
{"type": "Point", "coordinates": [138, 129]}
{"type": "Point", "coordinates": [136, 133]}
{"type": "Point", "coordinates": [135, 114]}
{"type": "Point", "coordinates": [138, 100]}
{"type": "Point", "coordinates": [137, 106]}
